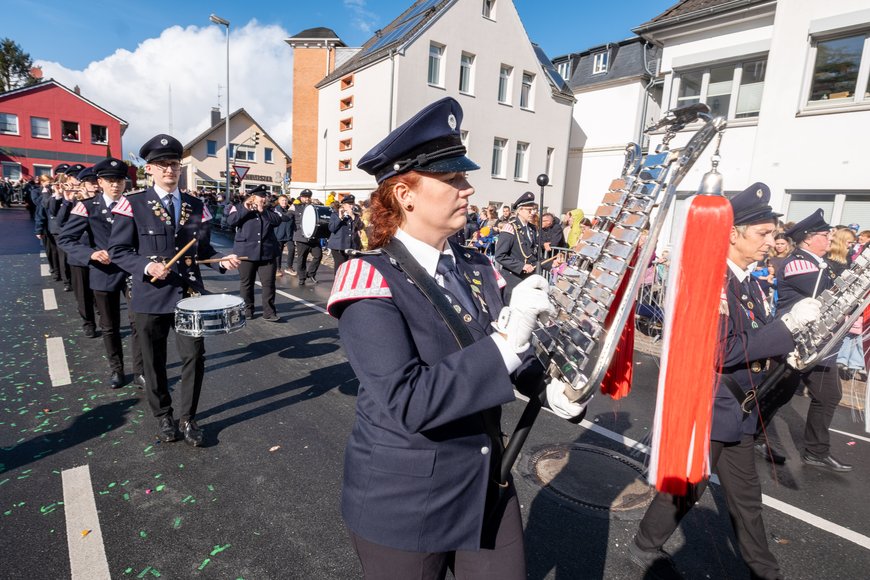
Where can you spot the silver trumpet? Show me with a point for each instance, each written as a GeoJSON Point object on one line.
{"type": "Point", "coordinates": [577, 345]}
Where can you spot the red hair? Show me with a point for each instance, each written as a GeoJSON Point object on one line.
{"type": "Point", "coordinates": [387, 214]}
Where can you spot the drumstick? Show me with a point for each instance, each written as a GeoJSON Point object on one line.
{"type": "Point", "coordinates": [176, 256]}
{"type": "Point", "coordinates": [213, 260]}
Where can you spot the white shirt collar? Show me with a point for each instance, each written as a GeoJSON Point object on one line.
{"type": "Point", "coordinates": [426, 255]}
{"type": "Point", "coordinates": [162, 193]}
{"type": "Point", "coordinates": [819, 259]}
{"type": "Point", "coordinates": [108, 200]}
{"type": "Point", "coordinates": [739, 272]}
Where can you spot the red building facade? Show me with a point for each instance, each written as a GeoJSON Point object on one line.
{"type": "Point", "coordinates": [46, 124]}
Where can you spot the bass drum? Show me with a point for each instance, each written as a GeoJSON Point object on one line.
{"type": "Point", "coordinates": [315, 221]}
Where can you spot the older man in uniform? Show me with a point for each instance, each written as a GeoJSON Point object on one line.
{"type": "Point", "coordinates": [85, 237]}
{"type": "Point", "coordinates": [256, 241]}
{"type": "Point", "coordinates": [344, 228]}
{"type": "Point", "coordinates": [805, 273]}
{"type": "Point", "coordinates": [150, 227]}
{"type": "Point", "coordinates": [517, 247]}
{"type": "Point", "coordinates": [749, 337]}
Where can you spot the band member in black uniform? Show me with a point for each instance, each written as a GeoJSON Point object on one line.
{"type": "Point", "coordinates": [517, 247]}
{"type": "Point", "coordinates": [305, 245]}
{"type": "Point", "coordinates": [85, 237]}
{"type": "Point", "coordinates": [79, 271]}
{"type": "Point", "coordinates": [255, 240]}
{"type": "Point", "coordinates": [805, 273]}
{"type": "Point", "coordinates": [59, 206]}
{"type": "Point", "coordinates": [150, 227]}
{"type": "Point", "coordinates": [43, 225]}
{"type": "Point", "coordinates": [421, 491]}
{"type": "Point", "coordinates": [344, 228]}
{"type": "Point", "coordinates": [749, 337]}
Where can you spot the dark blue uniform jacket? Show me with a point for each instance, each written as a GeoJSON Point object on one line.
{"type": "Point", "coordinates": [344, 232]}
{"type": "Point", "coordinates": [87, 230]}
{"type": "Point", "coordinates": [255, 232]}
{"type": "Point", "coordinates": [517, 245]}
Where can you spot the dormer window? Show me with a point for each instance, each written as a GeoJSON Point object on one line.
{"type": "Point", "coordinates": [599, 63]}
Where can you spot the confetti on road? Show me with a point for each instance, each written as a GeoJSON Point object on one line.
{"type": "Point", "coordinates": [177, 523]}
{"type": "Point", "coordinates": [204, 564]}
{"type": "Point", "coordinates": [218, 549]}
{"type": "Point", "coordinates": [275, 448]}
{"type": "Point", "coordinates": [86, 532]}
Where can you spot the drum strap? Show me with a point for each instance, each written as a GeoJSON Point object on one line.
{"type": "Point", "coordinates": [430, 289]}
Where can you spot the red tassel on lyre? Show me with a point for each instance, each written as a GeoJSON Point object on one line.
{"type": "Point", "coordinates": [617, 379]}
{"type": "Point", "coordinates": [681, 432]}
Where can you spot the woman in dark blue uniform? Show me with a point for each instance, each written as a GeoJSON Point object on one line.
{"type": "Point", "coordinates": [421, 491]}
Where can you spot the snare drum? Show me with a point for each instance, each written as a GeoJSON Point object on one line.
{"type": "Point", "coordinates": [209, 315]}
{"type": "Point", "coordinates": [315, 221]}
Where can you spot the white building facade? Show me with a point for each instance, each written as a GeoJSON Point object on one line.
{"type": "Point", "coordinates": [517, 110]}
{"type": "Point", "coordinates": [793, 79]}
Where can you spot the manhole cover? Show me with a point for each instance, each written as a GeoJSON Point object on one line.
{"type": "Point", "coordinates": [593, 479]}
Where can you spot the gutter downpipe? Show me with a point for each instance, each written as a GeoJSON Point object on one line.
{"type": "Point", "coordinates": [392, 86]}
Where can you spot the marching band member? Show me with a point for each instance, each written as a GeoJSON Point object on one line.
{"type": "Point", "coordinates": [85, 238]}
{"type": "Point", "coordinates": [516, 250]}
{"type": "Point", "coordinates": [256, 240]}
{"type": "Point", "coordinates": [749, 337]}
{"type": "Point", "coordinates": [149, 228]}
{"type": "Point", "coordinates": [81, 187]}
{"type": "Point", "coordinates": [344, 228]}
{"type": "Point", "coordinates": [421, 490]}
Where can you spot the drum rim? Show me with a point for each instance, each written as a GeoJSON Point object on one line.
{"type": "Point", "coordinates": [237, 301]}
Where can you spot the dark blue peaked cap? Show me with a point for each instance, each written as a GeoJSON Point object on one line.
{"type": "Point", "coordinates": [74, 170]}
{"type": "Point", "coordinates": [528, 198]}
{"type": "Point", "coordinates": [752, 205]}
{"type": "Point", "coordinates": [430, 142]}
{"type": "Point", "coordinates": [110, 167]}
{"type": "Point", "coordinates": [61, 168]}
{"type": "Point", "coordinates": [87, 174]}
{"type": "Point", "coordinates": [815, 222]}
{"type": "Point", "coordinates": [161, 146]}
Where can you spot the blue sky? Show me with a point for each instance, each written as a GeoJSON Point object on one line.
{"type": "Point", "coordinates": [74, 34]}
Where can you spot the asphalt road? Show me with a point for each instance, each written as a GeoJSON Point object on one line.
{"type": "Point", "coordinates": [260, 500]}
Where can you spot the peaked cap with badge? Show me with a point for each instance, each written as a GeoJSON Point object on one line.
{"type": "Point", "coordinates": [74, 170]}
{"type": "Point", "coordinates": [161, 147]}
{"type": "Point", "coordinates": [815, 222]}
{"type": "Point", "coordinates": [110, 167]}
{"type": "Point", "coordinates": [528, 198]}
{"type": "Point", "coordinates": [61, 168]}
{"type": "Point", "coordinates": [752, 205]}
{"type": "Point", "coordinates": [428, 142]}
{"type": "Point", "coordinates": [87, 174]}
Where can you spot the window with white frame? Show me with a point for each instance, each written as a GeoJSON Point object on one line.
{"type": "Point", "coordinates": [504, 84]}
{"type": "Point", "coordinates": [498, 147]}
{"type": "Point", "coordinates": [436, 52]}
{"type": "Point", "coordinates": [40, 128]}
{"type": "Point", "coordinates": [267, 155]}
{"type": "Point", "coordinates": [99, 134]}
{"type": "Point", "coordinates": [526, 92]}
{"type": "Point", "coordinates": [550, 159]}
{"type": "Point", "coordinates": [599, 62]}
{"type": "Point", "coordinates": [69, 131]}
{"type": "Point", "coordinates": [489, 9]}
{"type": "Point", "coordinates": [12, 171]}
{"type": "Point", "coordinates": [841, 70]}
{"type": "Point", "coordinates": [521, 161]}
{"type": "Point", "coordinates": [40, 170]}
{"type": "Point", "coordinates": [564, 69]}
{"type": "Point", "coordinates": [9, 123]}
{"type": "Point", "coordinates": [243, 153]}
{"type": "Point", "coordinates": [731, 90]}
{"type": "Point", "coordinates": [466, 73]}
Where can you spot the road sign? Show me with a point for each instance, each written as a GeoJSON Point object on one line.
{"type": "Point", "coordinates": [241, 171]}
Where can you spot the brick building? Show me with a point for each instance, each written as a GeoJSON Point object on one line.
{"type": "Point", "coordinates": [45, 124]}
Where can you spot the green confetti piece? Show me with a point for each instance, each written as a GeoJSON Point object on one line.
{"type": "Point", "coordinates": [155, 572]}
{"type": "Point", "coordinates": [128, 570]}
{"type": "Point", "coordinates": [143, 534]}
{"type": "Point", "coordinates": [218, 549]}
{"type": "Point", "coordinates": [147, 449]}
{"type": "Point", "coordinates": [158, 476]}
{"type": "Point", "coordinates": [210, 487]}
{"type": "Point", "coordinates": [204, 564]}
{"type": "Point", "coordinates": [4, 481]}
{"type": "Point", "coordinates": [160, 487]}
{"type": "Point", "coordinates": [113, 484]}
{"type": "Point", "coordinates": [187, 499]}
{"type": "Point", "coordinates": [177, 523]}
{"type": "Point", "coordinates": [126, 497]}
{"type": "Point", "coordinates": [143, 572]}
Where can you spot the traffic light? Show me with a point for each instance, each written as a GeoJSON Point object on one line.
{"type": "Point", "coordinates": [234, 179]}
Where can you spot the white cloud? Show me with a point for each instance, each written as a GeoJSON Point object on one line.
{"type": "Point", "coordinates": [135, 85]}
{"type": "Point", "coordinates": [363, 19]}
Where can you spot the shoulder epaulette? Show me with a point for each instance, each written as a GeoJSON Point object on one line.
{"type": "Point", "coordinates": [356, 279]}
{"type": "Point", "coordinates": [507, 228]}
{"type": "Point", "coordinates": [499, 278]}
{"type": "Point", "coordinates": [123, 208]}
{"type": "Point", "coordinates": [206, 215]}
{"type": "Point", "coordinates": [132, 193]}
{"type": "Point", "coordinates": [799, 266]}
{"type": "Point", "coordinates": [80, 210]}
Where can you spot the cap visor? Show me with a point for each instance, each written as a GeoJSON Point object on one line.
{"type": "Point", "coordinates": [461, 163]}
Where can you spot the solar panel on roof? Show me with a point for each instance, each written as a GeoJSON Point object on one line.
{"type": "Point", "coordinates": [411, 20]}
{"type": "Point", "coordinates": [423, 7]}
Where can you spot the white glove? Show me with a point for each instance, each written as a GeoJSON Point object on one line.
{"type": "Point", "coordinates": [801, 314]}
{"type": "Point", "coordinates": [529, 302]}
{"type": "Point", "coordinates": [559, 403]}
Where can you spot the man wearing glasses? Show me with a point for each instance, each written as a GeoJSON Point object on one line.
{"type": "Point", "coordinates": [149, 228]}
{"type": "Point", "coordinates": [517, 247]}
{"type": "Point", "coordinates": [806, 274]}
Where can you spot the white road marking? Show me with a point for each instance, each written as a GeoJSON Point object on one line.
{"type": "Point", "coordinates": [58, 370]}
{"type": "Point", "coordinates": [867, 439]}
{"type": "Point", "coordinates": [49, 299]}
{"type": "Point", "coordinates": [300, 300]}
{"type": "Point", "coordinates": [42, 255]}
{"type": "Point", "coordinates": [87, 555]}
{"type": "Point", "coordinates": [44, 270]}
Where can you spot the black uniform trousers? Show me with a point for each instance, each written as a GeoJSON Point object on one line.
{"type": "Point", "coordinates": [734, 463]}
{"type": "Point", "coordinates": [266, 270]}
{"type": "Point", "coordinates": [153, 331]}
{"type": "Point", "coordinates": [109, 306]}
{"type": "Point", "coordinates": [339, 257]}
{"type": "Point", "coordinates": [825, 390]}
{"type": "Point", "coordinates": [63, 272]}
{"type": "Point", "coordinates": [302, 251]}
{"type": "Point", "coordinates": [81, 283]}
{"type": "Point", "coordinates": [51, 254]}
{"type": "Point", "coordinates": [505, 561]}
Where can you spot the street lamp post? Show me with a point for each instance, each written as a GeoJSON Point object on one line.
{"type": "Point", "coordinates": [226, 23]}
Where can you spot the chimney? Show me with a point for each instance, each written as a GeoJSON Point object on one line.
{"type": "Point", "coordinates": [77, 90]}
{"type": "Point", "coordinates": [215, 116]}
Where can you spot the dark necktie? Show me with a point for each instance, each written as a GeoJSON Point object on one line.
{"type": "Point", "coordinates": [170, 208]}
{"type": "Point", "coordinates": [112, 206]}
{"type": "Point", "coordinates": [454, 283]}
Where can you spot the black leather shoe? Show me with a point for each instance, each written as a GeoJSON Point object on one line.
{"type": "Point", "coordinates": [270, 318]}
{"type": "Point", "coordinates": [67, 288]}
{"type": "Point", "coordinates": [139, 381]}
{"type": "Point", "coordinates": [655, 563]}
{"type": "Point", "coordinates": [827, 462]}
{"type": "Point", "coordinates": [767, 453]}
{"type": "Point", "coordinates": [166, 431]}
{"type": "Point", "coordinates": [192, 433]}
{"type": "Point", "coordinates": [249, 314]}
{"type": "Point", "coordinates": [117, 380]}
{"type": "Point", "coordinates": [90, 331]}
